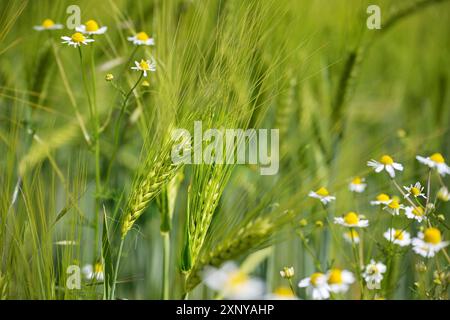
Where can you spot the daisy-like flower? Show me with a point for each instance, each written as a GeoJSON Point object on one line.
{"type": "Point", "coordinates": [357, 185]}
{"type": "Point", "coordinates": [373, 273]}
{"type": "Point", "coordinates": [394, 207]}
{"type": "Point", "coordinates": [443, 194]}
{"type": "Point", "coordinates": [382, 198]}
{"type": "Point", "coordinates": [397, 236]}
{"type": "Point", "coordinates": [48, 24]}
{"type": "Point", "coordinates": [322, 194]}
{"type": "Point", "coordinates": [416, 213]}
{"type": "Point", "coordinates": [281, 293]}
{"type": "Point", "coordinates": [316, 286]}
{"type": "Point", "coordinates": [232, 283]}
{"type": "Point", "coordinates": [91, 27]}
{"type": "Point", "coordinates": [386, 163]}
{"type": "Point", "coordinates": [339, 280]}
{"type": "Point", "coordinates": [437, 161]}
{"type": "Point", "coordinates": [287, 272]}
{"type": "Point", "coordinates": [352, 219]}
{"type": "Point", "coordinates": [76, 39]}
{"type": "Point", "coordinates": [416, 190]}
{"type": "Point", "coordinates": [94, 271]}
{"type": "Point", "coordinates": [145, 66]}
{"type": "Point", "coordinates": [141, 39]}
{"type": "Point", "coordinates": [351, 236]}
{"type": "Point", "coordinates": [428, 243]}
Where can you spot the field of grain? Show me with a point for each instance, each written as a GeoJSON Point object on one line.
{"type": "Point", "coordinates": [92, 205]}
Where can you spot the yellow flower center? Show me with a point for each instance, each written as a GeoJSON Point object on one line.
{"type": "Point", "coordinates": [48, 23]}
{"type": "Point", "coordinates": [394, 204]}
{"type": "Point", "coordinates": [322, 192]}
{"type": "Point", "coordinates": [372, 269]}
{"type": "Point", "coordinates": [386, 160]}
{"type": "Point", "coordinates": [98, 268]}
{"type": "Point", "coordinates": [283, 291]}
{"type": "Point", "coordinates": [418, 211]}
{"type": "Point", "coordinates": [437, 157]}
{"type": "Point", "coordinates": [91, 26]}
{"type": "Point", "coordinates": [383, 197]}
{"type": "Point", "coordinates": [315, 278]}
{"type": "Point", "coordinates": [356, 180]}
{"type": "Point", "coordinates": [238, 278]}
{"type": "Point", "coordinates": [432, 235]}
{"type": "Point", "coordinates": [415, 191]}
{"type": "Point", "coordinates": [353, 234]}
{"type": "Point", "coordinates": [142, 36]}
{"type": "Point", "coordinates": [351, 218]}
{"type": "Point", "coordinates": [144, 65]}
{"type": "Point", "coordinates": [78, 37]}
{"type": "Point", "coordinates": [335, 276]}
{"type": "Point", "coordinates": [398, 235]}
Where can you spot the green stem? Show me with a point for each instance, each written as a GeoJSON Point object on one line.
{"type": "Point", "coordinates": [116, 269]}
{"type": "Point", "coordinates": [166, 265]}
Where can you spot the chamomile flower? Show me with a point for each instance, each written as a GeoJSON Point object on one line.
{"type": "Point", "coordinates": [141, 39]}
{"type": "Point", "coordinates": [357, 185]}
{"type": "Point", "coordinates": [76, 40]}
{"type": "Point", "coordinates": [397, 236]}
{"type": "Point", "coordinates": [351, 236]}
{"type": "Point", "coordinates": [316, 285]}
{"type": "Point", "coordinates": [443, 194]}
{"type": "Point", "coordinates": [416, 190]}
{"type": "Point", "coordinates": [322, 194]}
{"type": "Point", "coordinates": [232, 283]}
{"type": "Point", "coordinates": [428, 243]}
{"type": "Point", "coordinates": [94, 271]}
{"type": "Point", "coordinates": [281, 293]}
{"type": "Point", "coordinates": [394, 207]}
{"type": "Point", "coordinates": [145, 66]}
{"type": "Point", "coordinates": [437, 161]}
{"type": "Point", "coordinates": [416, 213]}
{"type": "Point", "coordinates": [287, 272]}
{"type": "Point", "coordinates": [352, 219]}
{"type": "Point", "coordinates": [91, 27]}
{"type": "Point", "coordinates": [373, 273]}
{"type": "Point", "coordinates": [339, 280]}
{"type": "Point", "coordinates": [382, 198]}
{"type": "Point", "coordinates": [48, 24]}
{"type": "Point", "coordinates": [386, 163]}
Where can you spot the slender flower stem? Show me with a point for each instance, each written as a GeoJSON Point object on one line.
{"type": "Point", "coordinates": [166, 265]}
{"type": "Point", "coordinates": [116, 269]}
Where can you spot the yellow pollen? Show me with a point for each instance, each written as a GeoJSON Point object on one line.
{"type": "Point", "coordinates": [238, 278]}
{"type": "Point", "coordinates": [48, 23]}
{"type": "Point", "coordinates": [142, 36]}
{"type": "Point", "coordinates": [372, 269]}
{"type": "Point", "coordinates": [386, 160]}
{"type": "Point", "coordinates": [78, 37]}
{"type": "Point", "coordinates": [315, 277]}
{"type": "Point", "coordinates": [144, 65]}
{"type": "Point", "coordinates": [437, 157]}
{"type": "Point", "coordinates": [356, 180]}
{"type": "Point", "coordinates": [398, 235]}
{"type": "Point", "coordinates": [352, 234]}
{"type": "Point", "coordinates": [415, 191]}
{"type": "Point", "coordinates": [98, 268]}
{"type": "Point", "coordinates": [283, 291]}
{"type": "Point", "coordinates": [322, 192]}
{"type": "Point", "coordinates": [418, 211]}
{"type": "Point", "coordinates": [335, 276]}
{"type": "Point", "coordinates": [394, 204]}
{"type": "Point", "coordinates": [383, 197]}
{"type": "Point", "coordinates": [351, 218]}
{"type": "Point", "coordinates": [432, 235]}
{"type": "Point", "coordinates": [91, 26]}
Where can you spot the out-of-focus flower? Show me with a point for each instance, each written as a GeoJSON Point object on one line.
{"type": "Point", "coordinates": [394, 207]}
{"type": "Point", "coordinates": [397, 236]}
{"type": "Point", "coordinates": [76, 40]}
{"type": "Point", "coordinates": [428, 243]}
{"type": "Point", "coordinates": [339, 280]}
{"type": "Point", "coordinates": [443, 194]}
{"type": "Point", "coordinates": [94, 271]}
{"type": "Point", "coordinates": [416, 213]}
{"type": "Point", "coordinates": [416, 190]}
{"type": "Point", "coordinates": [281, 293]}
{"type": "Point", "coordinates": [323, 195]}
{"type": "Point", "coordinates": [91, 27]}
{"type": "Point", "coordinates": [436, 161]}
{"type": "Point", "coordinates": [232, 283]}
{"type": "Point", "coordinates": [352, 219]}
{"type": "Point", "coordinates": [287, 272]}
{"type": "Point", "coordinates": [109, 77]}
{"type": "Point", "coordinates": [316, 286]}
{"type": "Point", "coordinates": [382, 198]}
{"type": "Point", "coordinates": [373, 273]}
{"type": "Point", "coordinates": [386, 163]}
{"type": "Point", "coordinates": [357, 185]}
{"type": "Point", "coordinates": [48, 24]}
{"type": "Point", "coordinates": [351, 236]}
{"type": "Point", "coordinates": [141, 39]}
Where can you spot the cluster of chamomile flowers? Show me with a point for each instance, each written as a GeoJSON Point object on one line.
{"type": "Point", "coordinates": [427, 242]}
{"type": "Point", "coordinates": [84, 36]}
